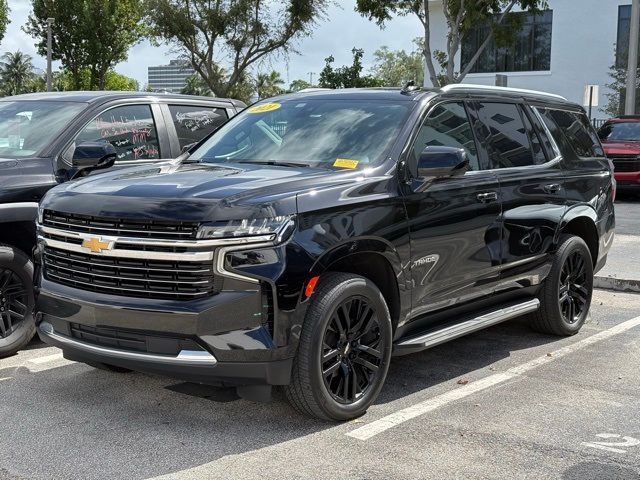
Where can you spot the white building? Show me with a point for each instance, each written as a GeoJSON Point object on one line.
{"type": "Point", "coordinates": [169, 78]}
{"type": "Point", "coordinates": [571, 45]}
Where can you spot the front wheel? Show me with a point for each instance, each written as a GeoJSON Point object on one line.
{"type": "Point", "coordinates": [344, 350]}
{"type": "Point", "coordinates": [565, 296]}
{"type": "Point", "coordinates": [17, 325]}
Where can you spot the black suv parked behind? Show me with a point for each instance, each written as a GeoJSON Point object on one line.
{"type": "Point", "coordinates": [315, 235]}
{"type": "Point", "coordinates": [49, 138]}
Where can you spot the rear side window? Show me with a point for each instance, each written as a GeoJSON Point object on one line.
{"type": "Point", "coordinates": [577, 130]}
{"type": "Point", "coordinates": [447, 125]}
{"type": "Point", "coordinates": [193, 123]}
{"type": "Point", "coordinates": [506, 136]}
{"type": "Point", "coordinates": [129, 128]}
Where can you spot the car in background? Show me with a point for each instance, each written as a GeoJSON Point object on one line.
{"type": "Point", "coordinates": [620, 139]}
{"type": "Point", "coordinates": [50, 138]}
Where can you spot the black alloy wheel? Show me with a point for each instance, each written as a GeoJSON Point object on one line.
{"type": "Point", "coordinates": [351, 357]}
{"type": "Point", "coordinates": [565, 295]}
{"type": "Point", "coordinates": [573, 295]}
{"type": "Point", "coordinates": [13, 301]}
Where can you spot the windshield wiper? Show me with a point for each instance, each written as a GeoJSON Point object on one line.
{"type": "Point", "coordinates": [277, 164]}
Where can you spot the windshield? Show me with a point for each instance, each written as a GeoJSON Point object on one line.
{"type": "Point", "coordinates": [26, 127]}
{"type": "Point", "coordinates": [317, 133]}
{"type": "Point", "coordinates": [619, 131]}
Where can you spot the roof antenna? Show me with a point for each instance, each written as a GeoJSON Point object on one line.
{"type": "Point", "coordinates": [409, 87]}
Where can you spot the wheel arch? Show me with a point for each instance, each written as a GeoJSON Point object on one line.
{"type": "Point", "coordinates": [581, 222]}
{"type": "Point", "coordinates": [373, 259]}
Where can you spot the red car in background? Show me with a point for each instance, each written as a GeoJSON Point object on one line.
{"type": "Point", "coordinates": [621, 141]}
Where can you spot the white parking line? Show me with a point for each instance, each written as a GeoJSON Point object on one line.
{"type": "Point", "coordinates": [385, 423]}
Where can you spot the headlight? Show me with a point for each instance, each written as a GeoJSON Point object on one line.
{"type": "Point", "coordinates": [246, 228]}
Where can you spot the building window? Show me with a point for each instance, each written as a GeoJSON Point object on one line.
{"type": "Point", "coordinates": [530, 51]}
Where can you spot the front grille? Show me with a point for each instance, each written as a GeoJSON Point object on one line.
{"type": "Point", "coordinates": [626, 163]}
{"type": "Point", "coordinates": [157, 229]}
{"type": "Point", "coordinates": [158, 279]}
{"type": "Point", "coordinates": [132, 341]}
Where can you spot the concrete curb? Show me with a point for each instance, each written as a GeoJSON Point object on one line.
{"type": "Point", "coordinates": [616, 284]}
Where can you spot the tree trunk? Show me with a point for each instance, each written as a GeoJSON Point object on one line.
{"type": "Point", "coordinates": [426, 52]}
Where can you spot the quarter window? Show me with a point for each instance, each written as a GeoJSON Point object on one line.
{"type": "Point", "coordinates": [129, 128]}
{"type": "Point", "coordinates": [507, 138]}
{"type": "Point", "coordinates": [194, 123]}
{"type": "Point", "coordinates": [447, 125]}
{"type": "Point", "coordinates": [576, 129]}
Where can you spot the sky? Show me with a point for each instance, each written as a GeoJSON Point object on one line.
{"type": "Point", "coordinates": [343, 30]}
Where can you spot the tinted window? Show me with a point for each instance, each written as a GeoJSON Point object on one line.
{"type": "Point", "coordinates": [194, 123]}
{"type": "Point", "coordinates": [576, 129]}
{"type": "Point", "coordinates": [26, 127]}
{"type": "Point", "coordinates": [447, 125]}
{"type": "Point", "coordinates": [130, 129]}
{"type": "Point", "coordinates": [505, 134]}
{"type": "Point", "coordinates": [320, 133]}
{"type": "Point", "coordinates": [539, 156]}
{"type": "Point", "coordinates": [620, 131]}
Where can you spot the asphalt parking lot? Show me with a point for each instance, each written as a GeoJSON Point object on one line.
{"type": "Point", "coordinates": [502, 403]}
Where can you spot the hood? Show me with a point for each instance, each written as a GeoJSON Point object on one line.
{"type": "Point", "coordinates": [621, 148]}
{"type": "Point", "coordinates": [192, 192]}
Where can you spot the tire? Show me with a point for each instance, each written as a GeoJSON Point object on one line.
{"type": "Point", "coordinates": [553, 316]}
{"type": "Point", "coordinates": [352, 357]}
{"type": "Point", "coordinates": [17, 324]}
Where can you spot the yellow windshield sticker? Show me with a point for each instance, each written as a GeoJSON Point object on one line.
{"type": "Point", "coordinates": [345, 163]}
{"type": "Point", "coordinates": [265, 107]}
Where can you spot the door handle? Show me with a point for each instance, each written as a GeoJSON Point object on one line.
{"type": "Point", "coordinates": [487, 197]}
{"type": "Point", "coordinates": [552, 188]}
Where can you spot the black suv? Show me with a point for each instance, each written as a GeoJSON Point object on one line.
{"type": "Point", "coordinates": [49, 138]}
{"type": "Point", "coordinates": [317, 234]}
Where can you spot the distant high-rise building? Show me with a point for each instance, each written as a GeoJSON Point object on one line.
{"type": "Point", "coordinates": [170, 78]}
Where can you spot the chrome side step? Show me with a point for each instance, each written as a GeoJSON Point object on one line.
{"type": "Point", "coordinates": [450, 332]}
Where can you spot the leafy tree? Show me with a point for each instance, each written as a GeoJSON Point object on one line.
{"type": "Point", "coordinates": [92, 35]}
{"type": "Point", "coordinates": [396, 68]}
{"type": "Point", "coordinates": [461, 16]}
{"type": "Point", "coordinates": [617, 92]}
{"type": "Point", "coordinates": [4, 17]}
{"type": "Point", "coordinates": [269, 84]}
{"type": "Point", "coordinates": [16, 73]}
{"type": "Point", "coordinates": [347, 76]}
{"type": "Point", "coordinates": [64, 81]}
{"type": "Point", "coordinates": [298, 85]}
{"type": "Point", "coordinates": [194, 85]}
{"type": "Point", "coordinates": [236, 33]}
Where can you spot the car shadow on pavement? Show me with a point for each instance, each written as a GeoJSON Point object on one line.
{"type": "Point", "coordinates": [113, 424]}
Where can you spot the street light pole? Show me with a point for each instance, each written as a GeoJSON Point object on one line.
{"type": "Point", "coordinates": [632, 63]}
{"type": "Point", "coordinates": [50, 22]}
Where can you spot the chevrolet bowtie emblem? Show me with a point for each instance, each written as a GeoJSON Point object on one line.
{"type": "Point", "coordinates": [96, 245]}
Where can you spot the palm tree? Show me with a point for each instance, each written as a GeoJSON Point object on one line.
{"type": "Point", "coordinates": [194, 85]}
{"type": "Point", "coordinates": [269, 84]}
{"type": "Point", "coordinates": [16, 72]}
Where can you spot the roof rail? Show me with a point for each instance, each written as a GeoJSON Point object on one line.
{"type": "Point", "coordinates": [462, 86]}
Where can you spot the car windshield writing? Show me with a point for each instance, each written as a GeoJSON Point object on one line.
{"type": "Point", "coordinates": [26, 127]}
{"type": "Point", "coordinates": [341, 134]}
{"type": "Point", "coordinates": [620, 131]}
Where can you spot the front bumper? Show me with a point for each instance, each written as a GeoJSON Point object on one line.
{"type": "Point", "coordinates": [218, 340]}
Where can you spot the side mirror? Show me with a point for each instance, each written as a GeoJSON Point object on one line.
{"type": "Point", "coordinates": [89, 156]}
{"type": "Point", "coordinates": [442, 162]}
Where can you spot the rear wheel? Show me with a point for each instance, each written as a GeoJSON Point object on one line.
{"type": "Point", "coordinates": [17, 325]}
{"type": "Point", "coordinates": [565, 297]}
{"type": "Point", "coordinates": [344, 351]}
